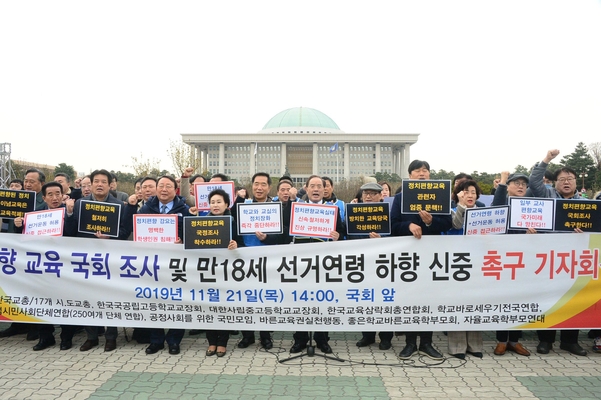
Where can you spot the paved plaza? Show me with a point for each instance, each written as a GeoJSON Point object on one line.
{"type": "Point", "coordinates": [252, 373]}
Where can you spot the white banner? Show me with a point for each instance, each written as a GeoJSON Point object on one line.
{"type": "Point", "coordinates": [442, 283]}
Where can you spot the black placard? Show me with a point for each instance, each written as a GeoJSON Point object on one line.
{"type": "Point", "coordinates": [98, 216]}
{"type": "Point", "coordinates": [428, 195]}
{"type": "Point", "coordinates": [15, 203]}
{"type": "Point", "coordinates": [208, 232]}
{"type": "Point", "coordinates": [363, 218]}
{"type": "Point", "coordinates": [583, 214]}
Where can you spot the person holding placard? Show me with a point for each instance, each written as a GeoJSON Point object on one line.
{"type": "Point", "coordinates": [315, 193]}
{"type": "Point", "coordinates": [372, 193]}
{"type": "Point", "coordinates": [261, 185]}
{"type": "Point", "coordinates": [417, 225]}
{"type": "Point", "coordinates": [219, 201]}
{"type": "Point", "coordinates": [52, 193]}
{"type": "Point", "coordinates": [510, 185]}
{"type": "Point", "coordinates": [166, 202]}
{"type": "Point", "coordinates": [101, 180]}
{"type": "Point", "coordinates": [565, 188]}
{"type": "Point", "coordinates": [466, 193]}
{"type": "Point", "coordinates": [34, 180]}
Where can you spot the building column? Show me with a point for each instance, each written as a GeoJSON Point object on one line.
{"type": "Point", "coordinates": [282, 159]}
{"type": "Point", "coordinates": [406, 160]}
{"type": "Point", "coordinates": [347, 162]}
{"type": "Point", "coordinates": [221, 158]}
{"type": "Point", "coordinates": [253, 158]}
{"type": "Point", "coordinates": [315, 160]}
{"type": "Point", "coordinates": [378, 167]}
{"type": "Point", "coordinates": [205, 159]}
{"type": "Point", "coordinates": [197, 157]}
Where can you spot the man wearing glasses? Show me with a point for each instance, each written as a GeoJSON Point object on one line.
{"type": "Point", "coordinates": [565, 188]}
{"type": "Point", "coordinates": [565, 180]}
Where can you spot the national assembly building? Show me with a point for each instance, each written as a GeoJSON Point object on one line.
{"type": "Point", "coordinates": [301, 142]}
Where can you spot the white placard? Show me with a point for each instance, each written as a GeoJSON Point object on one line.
{"type": "Point", "coordinates": [263, 217]}
{"type": "Point", "coordinates": [530, 212]}
{"type": "Point", "coordinates": [202, 190]}
{"type": "Point", "coordinates": [312, 220]}
{"type": "Point", "coordinates": [486, 220]}
{"type": "Point", "coordinates": [155, 228]}
{"type": "Point", "coordinates": [44, 223]}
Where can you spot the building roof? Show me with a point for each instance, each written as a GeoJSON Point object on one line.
{"type": "Point", "coordinates": [309, 119]}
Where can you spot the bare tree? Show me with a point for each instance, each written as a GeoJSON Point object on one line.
{"type": "Point", "coordinates": [595, 152]}
{"type": "Point", "coordinates": [143, 167]}
{"type": "Point", "coordinates": [182, 156]}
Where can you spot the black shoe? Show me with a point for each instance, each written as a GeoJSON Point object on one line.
{"type": "Point", "coordinates": [267, 344]}
{"type": "Point", "coordinates": [245, 342]}
{"type": "Point", "coordinates": [88, 344]}
{"type": "Point", "coordinates": [110, 345]}
{"type": "Point", "coordinates": [44, 344]}
{"type": "Point", "coordinates": [476, 354]}
{"type": "Point", "coordinates": [385, 345]}
{"type": "Point", "coordinates": [13, 330]}
{"type": "Point", "coordinates": [544, 348]}
{"type": "Point", "coordinates": [409, 350]}
{"type": "Point", "coordinates": [324, 347]}
{"type": "Point", "coordinates": [174, 349]}
{"type": "Point", "coordinates": [298, 347]}
{"type": "Point", "coordinates": [154, 347]}
{"type": "Point", "coordinates": [573, 348]}
{"type": "Point", "coordinates": [32, 335]}
{"type": "Point", "coordinates": [460, 356]}
{"type": "Point", "coordinates": [196, 331]}
{"type": "Point", "coordinates": [66, 344]}
{"type": "Point", "coordinates": [429, 350]}
{"type": "Point", "coordinates": [364, 342]}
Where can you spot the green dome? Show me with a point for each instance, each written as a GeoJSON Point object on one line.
{"type": "Point", "coordinates": [300, 116]}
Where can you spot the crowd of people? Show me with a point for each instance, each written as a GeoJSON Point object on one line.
{"type": "Point", "coordinates": [171, 195]}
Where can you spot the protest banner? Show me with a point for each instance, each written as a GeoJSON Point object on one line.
{"type": "Point", "coordinates": [438, 283]}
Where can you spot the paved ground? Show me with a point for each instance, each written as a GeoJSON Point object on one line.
{"type": "Point", "coordinates": [367, 373]}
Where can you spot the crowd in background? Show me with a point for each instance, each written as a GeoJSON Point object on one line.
{"type": "Point", "coordinates": [176, 195]}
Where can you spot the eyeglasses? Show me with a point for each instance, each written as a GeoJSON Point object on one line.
{"type": "Point", "coordinates": [564, 180]}
{"type": "Point", "coordinates": [519, 183]}
{"type": "Point", "coordinates": [370, 194]}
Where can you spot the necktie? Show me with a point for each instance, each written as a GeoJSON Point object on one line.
{"type": "Point", "coordinates": [163, 209]}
